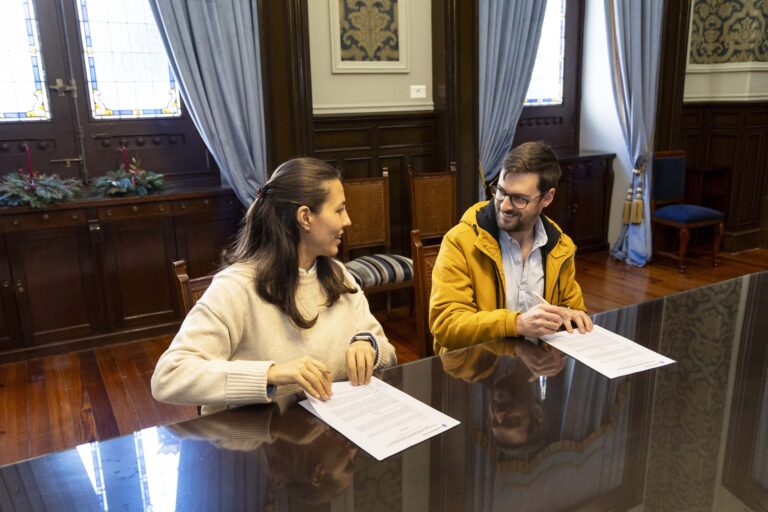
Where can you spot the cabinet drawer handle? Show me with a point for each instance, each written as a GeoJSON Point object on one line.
{"type": "Point", "coordinates": [183, 206]}
{"type": "Point", "coordinates": [6, 283]}
{"type": "Point", "coordinates": [161, 208]}
{"type": "Point", "coordinates": [19, 286]}
{"type": "Point", "coordinates": [206, 201]}
{"type": "Point", "coordinates": [134, 209]}
{"type": "Point", "coordinates": [46, 216]}
{"type": "Point", "coordinates": [574, 207]}
{"type": "Point", "coordinates": [74, 216]}
{"type": "Point", "coordinates": [109, 213]}
{"type": "Point", "coordinates": [15, 222]}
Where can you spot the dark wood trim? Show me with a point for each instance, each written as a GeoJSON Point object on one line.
{"type": "Point", "coordinates": [674, 52]}
{"type": "Point", "coordinates": [286, 79]}
{"type": "Point", "coordinates": [455, 85]}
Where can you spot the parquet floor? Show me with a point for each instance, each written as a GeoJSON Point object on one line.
{"type": "Point", "coordinates": [57, 402]}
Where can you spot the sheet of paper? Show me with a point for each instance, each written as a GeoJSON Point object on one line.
{"type": "Point", "coordinates": [607, 352]}
{"type": "Point", "coordinates": [379, 418]}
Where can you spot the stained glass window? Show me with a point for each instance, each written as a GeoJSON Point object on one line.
{"type": "Point", "coordinates": [125, 62]}
{"type": "Point", "coordinates": [23, 95]}
{"type": "Point", "coordinates": [546, 87]}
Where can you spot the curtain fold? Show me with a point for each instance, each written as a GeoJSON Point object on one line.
{"type": "Point", "coordinates": [508, 35]}
{"type": "Point", "coordinates": [634, 39]}
{"type": "Point", "coordinates": [214, 51]}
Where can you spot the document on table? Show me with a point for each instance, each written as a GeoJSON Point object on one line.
{"type": "Point", "coordinates": [379, 418]}
{"type": "Point", "coordinates": [607, 352]}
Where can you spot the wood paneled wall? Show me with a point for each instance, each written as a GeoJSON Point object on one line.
{"type": "Point", "coordinates": [362, 144]}
{"type": "Point", "coordinates": [735, 135]}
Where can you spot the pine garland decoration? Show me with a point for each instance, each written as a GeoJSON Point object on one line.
{"type": "Point", "coordinates": [129, 179]}
{"type": "Point", "coordinates": [36, 190]}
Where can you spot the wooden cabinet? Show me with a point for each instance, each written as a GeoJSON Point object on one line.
{"type": "Point", "coordinates": [89, 273]}
{"type": "Point", "coordinates": [583, 199]}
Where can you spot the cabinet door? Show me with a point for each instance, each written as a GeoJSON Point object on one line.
{"type": "Point", "coordinates": [589, 201]}
{"type": "Point", "coordinates": [137, 260]}
{"type": "Point", "coordinates": [54, 281]}
{"type": "Point", "coordinates": [204, 227]}
{"type": "Point", "coordinates": [10, 335]}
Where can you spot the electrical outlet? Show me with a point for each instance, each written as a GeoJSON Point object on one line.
{"type": "Point", "coordinates": [418, 91]}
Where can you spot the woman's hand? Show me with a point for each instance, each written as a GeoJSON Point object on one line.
{"type": "Point", "coordinates": [360, 358]}
{"type": "Point", "coordinates": [309, 373]}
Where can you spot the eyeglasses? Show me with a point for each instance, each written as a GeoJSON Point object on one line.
{"type": "Point", "coordinates": [517, 201]}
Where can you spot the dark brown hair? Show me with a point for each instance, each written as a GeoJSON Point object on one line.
{"type": "Point", "coordinates": [269, 236]}
{"type": "Point", "coordinates": [534, 158]}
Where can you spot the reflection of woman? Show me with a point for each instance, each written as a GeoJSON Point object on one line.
{"type": "Point", "coordinates": [259, 457]}
{"type": "Point", "coordinates": [284, 312]}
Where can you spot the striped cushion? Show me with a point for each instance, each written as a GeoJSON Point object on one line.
{"type": "Point", "coordinates": [377, 269]}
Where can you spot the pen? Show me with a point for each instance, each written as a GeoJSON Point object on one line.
{"type": "Point", "coordinates": [542, 378]}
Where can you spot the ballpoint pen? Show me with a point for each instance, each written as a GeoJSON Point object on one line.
{"type": "Point", "coordinates": [542, 378]}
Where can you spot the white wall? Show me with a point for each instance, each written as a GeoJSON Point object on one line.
{"type": "Point", "coordinates": [600, 129]}
{"type": "Point", "coordinates": [382, 92]}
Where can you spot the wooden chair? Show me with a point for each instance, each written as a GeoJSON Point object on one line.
{"type": "Point", "coordinates": [669, 209]}
{"type": "Point", "coordinates": [424, 258]}
{"type": "Point", "coordinates": [433, 201]}
{"type": "Point", "coordinates": [367, 202]}
{"type": "Point", "coordinates": [189, 290]}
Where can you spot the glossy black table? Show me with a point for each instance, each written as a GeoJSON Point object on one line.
{"type": "Point", "coordinates": [691, 436]}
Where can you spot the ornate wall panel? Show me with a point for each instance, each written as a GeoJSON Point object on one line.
{"type": "Point", "coordinates": [727, 31]}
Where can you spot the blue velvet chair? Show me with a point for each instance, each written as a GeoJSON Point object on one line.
{"type": "Point", "coordinates": [669, 208]}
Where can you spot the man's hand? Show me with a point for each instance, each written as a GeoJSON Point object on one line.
{"type": "Point", "coordinates": [541, 319]}
{"type": "Point", "coordinates": [540, 361]}
{"type": "Point", "coordinates": [580, 318]}
{"type": "Point", "coordinates": [309, 373]}
{"type": "Point", "coordinates": [360, 358]}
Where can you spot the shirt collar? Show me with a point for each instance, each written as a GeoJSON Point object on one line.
{"type": "Point", "coordinates": [312, 269]}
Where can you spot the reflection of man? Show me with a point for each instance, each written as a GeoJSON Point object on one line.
{"type": "Point", "coordinates": [503, 255]}
{"type": "Point", "coordinates": [269, 453]}
{"type": "Point", "coordinates": [515, 416]}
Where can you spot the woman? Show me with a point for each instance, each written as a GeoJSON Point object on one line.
{"type": "Point", "coordinates": [283, 312]}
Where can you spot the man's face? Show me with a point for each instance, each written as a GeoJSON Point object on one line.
{"type": "Point", "coordinates": [526, 186]}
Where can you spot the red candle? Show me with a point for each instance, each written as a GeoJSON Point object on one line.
{"type": "Point", "coordinates": [29, 160]}
{"type": "Point", "coordinates": [126, 161]}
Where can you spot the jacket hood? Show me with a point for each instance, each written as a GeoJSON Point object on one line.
{"type": "Point", "coordinates": [482, 215]}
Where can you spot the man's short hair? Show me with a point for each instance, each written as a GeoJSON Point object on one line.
{"type": "Point", "coordinates": [535, 158]}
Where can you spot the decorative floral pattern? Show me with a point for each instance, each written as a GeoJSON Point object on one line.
{"type": "Point", "coordinates": [690, 397]}
{"type": "Point", "coordinates": [726, 31]}
{"type": "Point", "coordinates": [369, 30]}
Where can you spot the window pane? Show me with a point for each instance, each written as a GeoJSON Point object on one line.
{"type": "Point", "coordinates": [126, 66]}
{"type": "Point", "coordinates": [546, 87]}
{"type": "Point", "coordinates": [23, 95]}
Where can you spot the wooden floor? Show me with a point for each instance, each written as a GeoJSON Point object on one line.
{"type": "Point", "coordinates": [57, 402]}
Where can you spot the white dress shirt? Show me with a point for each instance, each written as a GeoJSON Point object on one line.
{"type": "Point", "coordinates": [522, 277]}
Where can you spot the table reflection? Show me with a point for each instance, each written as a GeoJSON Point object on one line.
{"type": "Point", "coordinates": [690, 436]}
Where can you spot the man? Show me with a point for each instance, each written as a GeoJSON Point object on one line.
{"type": "Point", "coordinates": [495, 267]}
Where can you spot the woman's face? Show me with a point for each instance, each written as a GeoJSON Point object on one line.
{"type": "Point", "coordinates": [325, 227]}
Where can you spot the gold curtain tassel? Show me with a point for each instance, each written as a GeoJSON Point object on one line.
{"type": "Point", "coordinates": [628, 206]}
{"type": "Point", "coordinates": [637, 207]}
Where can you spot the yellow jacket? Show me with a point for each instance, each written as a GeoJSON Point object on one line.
{"type": "Point", "coordinates": [467, 305]}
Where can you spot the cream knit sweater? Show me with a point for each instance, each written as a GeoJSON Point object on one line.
{"type": "Point", "coordinates": [232, 336]}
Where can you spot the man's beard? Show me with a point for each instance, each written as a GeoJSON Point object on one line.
{"type": "Point", "coordinates": [518, 224]}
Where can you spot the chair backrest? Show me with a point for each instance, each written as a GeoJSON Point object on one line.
{"type": "Point", "coordinates": [189, 290]}
{"type": "Point", "coordinates": [668, 177]}
{"type": "Point", "coordinates": [424, 258]}
{"type": "Point", "coordinates": [367, 201]}
{"type": "Point", "coordinates": [433, 201]}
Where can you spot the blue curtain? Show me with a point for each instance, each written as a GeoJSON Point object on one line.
{"type": "Point", "coordinates": [508, 34]}
{"type": "Point", "coordinates": [634, 38]}
{"type": "Point", "coordinates": [214, 51]}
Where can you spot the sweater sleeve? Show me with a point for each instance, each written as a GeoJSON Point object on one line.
{"type": "Point", "coordinates": [197, 368]}
{"type": "Point", "coordinates": [366, 322]}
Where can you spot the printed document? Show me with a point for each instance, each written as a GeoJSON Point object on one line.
{"type": "Point", "coordinates": [606, 352]}
{"type": "Point", "coordinates": [379, 418]}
